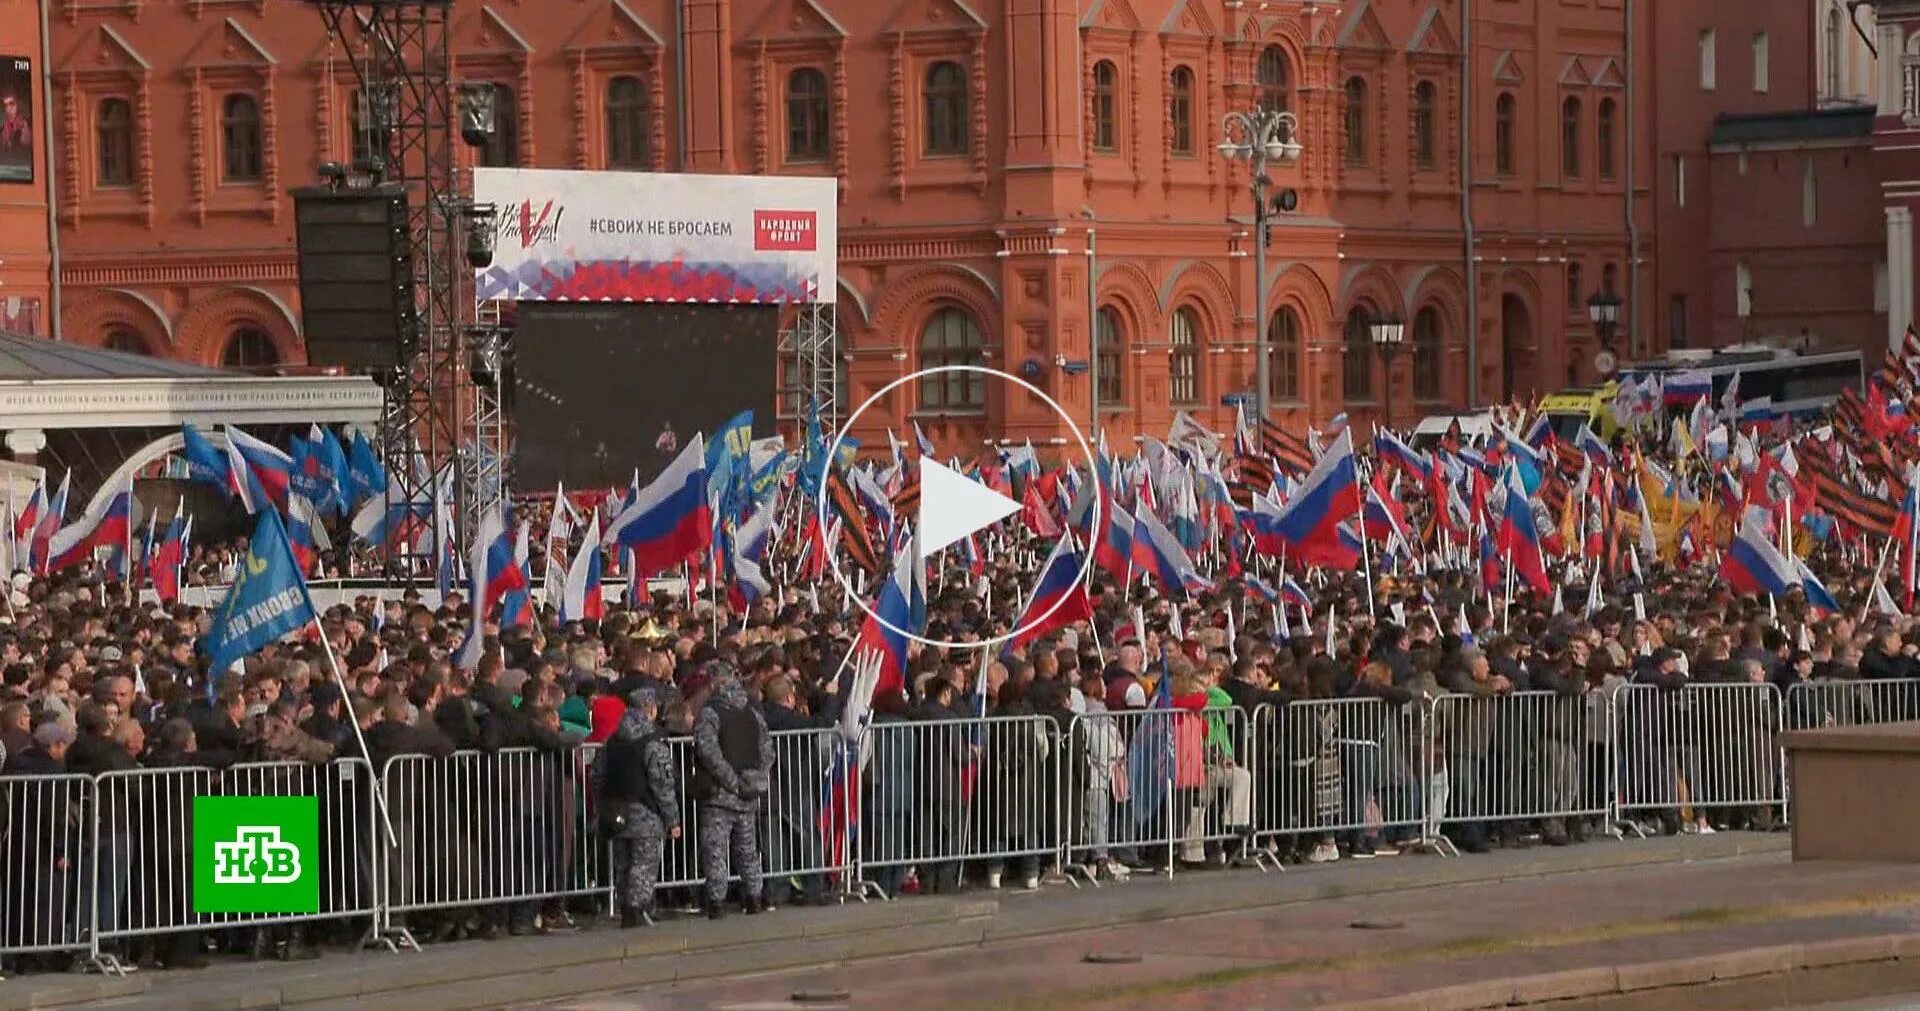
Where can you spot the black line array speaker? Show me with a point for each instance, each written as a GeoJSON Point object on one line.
{"type": "Point", "coordinates": [355, 258]}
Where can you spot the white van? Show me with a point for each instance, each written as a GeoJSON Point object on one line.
{"type": "Point", "coordinates": [1475, 426]}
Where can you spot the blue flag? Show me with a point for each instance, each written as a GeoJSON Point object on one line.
{"type": "Point", "coordinates": [729, 467]}
{"type": "Point", "coordinates": [813, 453]}
{"type": "Point", "coordinates": [268, 599]}
{"type": "Point", "coordinates": [333, 467]}
{"type": "Point", "coordinates": [365, 477]}
{"type": "Point", "coordinates": [205, 463]}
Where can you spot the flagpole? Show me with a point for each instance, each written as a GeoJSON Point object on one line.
{"type": "Point", "coordinates": [1366, 564]}
{"type": "Point", "coordinates": [379, 790]}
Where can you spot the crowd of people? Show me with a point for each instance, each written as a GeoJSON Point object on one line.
{"type": "Point", "coordinates": [93, 680]}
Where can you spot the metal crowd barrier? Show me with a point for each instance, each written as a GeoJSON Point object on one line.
{"type": "Point", "coordinates": [1703, 746]}
{"type": "Point", "coordinates": [1527, 755]}
{"type": "Point", "coordinates": [938, 793]}
{"type": "Point", "coordinates": [1337, 766]}
{"type": "Point", "coordinates": [1813, 704]}
{"type": "Point", "coordinates": [480, 828]}
{"type": "Point", "coordinates": [140, 839]}
{"type": "Point", "coordinates": [1152, 779]}
{"type": "Point", "coordinates": [96, 861]}
{"type": "Point", "coordinates": [45, 828]}
{"type": "Point", "coordinates": [792, 844]}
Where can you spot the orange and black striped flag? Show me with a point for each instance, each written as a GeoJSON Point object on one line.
{"type": "Point", "coordinates": [854, 537]}
{"type": "Point", "coordinates": [1287, 449]}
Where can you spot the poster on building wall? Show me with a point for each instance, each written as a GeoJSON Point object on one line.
{"type": "Point", "coordinates": [21, 314]}
{"type": "Point", "coordinates": [571, 236]}
{"type": "Point", "coordinates": [16, 119]}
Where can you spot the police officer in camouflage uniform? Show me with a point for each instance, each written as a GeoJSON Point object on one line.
{"type": "Point", "coordinates": [733, 760]}
{"type": "Point", "coordinates": [638, 798]}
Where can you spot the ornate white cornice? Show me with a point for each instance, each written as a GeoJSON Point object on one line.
{"type": "Point", "coordinates": [56, 404]}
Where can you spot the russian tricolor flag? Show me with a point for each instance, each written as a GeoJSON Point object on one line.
{"type": "Point", "coordinates": [1158, 551]}
{"type": "Point", "coordinates": [1330, 495]}
{"type": "Point", "coordinates": [1388, 447]}
{"type": "Point", "coordinates": [495, 572]}
{"type": "Point", "coordinates": [1593, 447]}
{"type": "Point", "coordinates": [261, 473]}
{"type": "Point", "coordinates": [163, 563]}
{"type": "Point", "coordinates": [885, 631]}
{"type": "Point", "coordinates": [1058, 599]}
{"type": "Point", "coordinates": [1752, 564]}
{"type": "Point", "coordinates": [1520, 535]}
{"type": "Point", "coordinates": [107, 525]}
{"type": "Point", "coordinates": [305, 534]}
{"type": "Point", "coordinates": [669, 521]}
{"type": "Point", "coordinates": [1818, 596]}
{"type": "Point", "coordinates": [1687, 387]}
{"type": "Point", "coordinates": [581, 598]}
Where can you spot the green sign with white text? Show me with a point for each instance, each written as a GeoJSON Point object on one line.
{"type": "Point", "coordinates": [256, 855]}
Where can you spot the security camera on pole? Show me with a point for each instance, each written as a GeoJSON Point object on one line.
{"type": "Point", "coordinates": [1260, 137]}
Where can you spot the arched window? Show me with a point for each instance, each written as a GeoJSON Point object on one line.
{"type": "Point", "coordinates": [1603, 151]}
{"type": "Point", "coordinates": [249, 348]}
{"type": "Point", "coordinates": [1504, 115]}
{"type": "Point", "coordinates": [1426, 354]}
{"type": "Point", "coordinates": [1108, 358]}
{"type": "Point", "coordinates": [628, 141]}
{"type": "Point", "coordinates": [1424, 146]}
{"type": "Point", "coordinates": [1833, 52]}
{"type": "Point", "coordinates": [1356, 120]}
{"type": "Point", "coordinates": [240, 139]}
{"type": "Point", "coordinates": [126, 341]}
{"type": "Point", "coordinates": [1283, 349]}
{"type": "Point", "coordinates": [1356, 372]}
{"type": "Point", "coordinates": [502, 150]}
{"type": "Point", "coordinates": [951, 337]}
{"type": "Point", "coordinates": [113, 124]}
{"type": "Point", "coordinates": [1105, 84]}
{"type": "Point", "coordinates": [1183, 373]}
{"type": "Point", "coordinates": [1570, 138]}
{"type": "Point", "coordinates": [1576, 299]}
{"type": "Point", "coordinates": [1276, 85]}
{"type": "Point", "coordinates": [946, 97]}
{"type": "Point", "coordinates": [808, 120]}
{"type": "Point", "coordinates": [1180, 111]}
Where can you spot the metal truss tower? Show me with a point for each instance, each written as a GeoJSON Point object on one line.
{"type": "Point", "coordinates": [435, 417]}
{"type": "Point", "coordinates": [813, 342]}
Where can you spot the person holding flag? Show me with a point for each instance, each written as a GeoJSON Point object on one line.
{"type": "Point", "coordinates": [267, 602]}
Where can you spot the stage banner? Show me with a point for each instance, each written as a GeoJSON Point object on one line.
{"type": "Point", "coordinates": [568, 236]}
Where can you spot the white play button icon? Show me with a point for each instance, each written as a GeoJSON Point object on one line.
{"type": "Point", "coordinates": [952, 506]}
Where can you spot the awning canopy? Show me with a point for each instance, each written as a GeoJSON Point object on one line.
{"type": "Point", "coordinates": [49, 385]}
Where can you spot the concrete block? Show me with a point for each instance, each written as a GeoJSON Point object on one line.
{"type": "Point", "coordinates": [30, 992]}
{"type": "Point", "coordinates": [747, 959]}
{"type": "Point", "coordinates": [1756, 962]}
{"type": "Point", "coordinates": [1405, 1002]}
{"type": "Point", "coordinates": [1906, 946]}
{"type": "Point", "coordinates": [1849, 951]}
{"type": "Point", "coordinates": [925, 937]}
{"type": "Point", "coordinates": [1674, 972]}
{"type": "Point", "coordinates": [655, 940]}
{"type": "Point", "coordinates": [1469, 996]}
{"type": "Point", "coordinates": [1567, 985]}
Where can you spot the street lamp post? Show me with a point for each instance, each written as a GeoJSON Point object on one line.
{"type": "Point", "coordinates": [1603, 310]}
{"type": "Point", "coordinates": [1389, 335]}
{"type": "Point", "coordinates": [1260, 137]}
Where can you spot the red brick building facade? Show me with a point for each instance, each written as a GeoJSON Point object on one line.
{"type": "Point", "coordinates": [26, 236]}
{"type": "Point", "coordinates": [983, 147]}
{"type": "Point", "coordinates": [1765, 198]}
